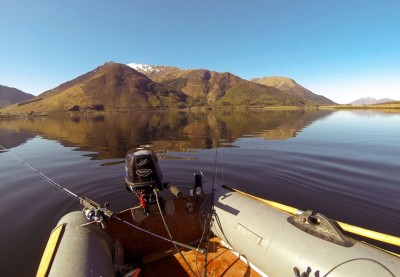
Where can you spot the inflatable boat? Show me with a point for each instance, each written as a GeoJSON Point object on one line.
{"type": "Point", "coordinates": [270, 240]}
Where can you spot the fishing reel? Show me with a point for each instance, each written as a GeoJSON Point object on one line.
{"type": "Point", "coordinates": [96, 213]}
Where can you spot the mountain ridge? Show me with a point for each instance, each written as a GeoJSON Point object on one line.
{"type": "Point", "coordinates": [292, 87]}
{"type": "Point", "coordinates": [120, 87]}
{"type": "Point", "coordinates": [166, 74]}
{"type": "Point", "coordinates": [109, 87]}
{"type": "Point", "coordinates": [10, 96]}
{"type": "Point", "coordinates": [71, 83]}
{"type": "Point", "coordinates": [205, 86]}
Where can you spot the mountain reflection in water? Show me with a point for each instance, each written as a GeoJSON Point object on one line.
{"type": "Point", "coordinates": [111, 135]}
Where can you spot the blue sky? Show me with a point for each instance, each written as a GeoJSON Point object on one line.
{"type": "Point", "coordinates": [343, 50]}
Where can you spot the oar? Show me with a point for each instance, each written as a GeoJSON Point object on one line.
{"type": "Point", "coordinates": [346, 227]}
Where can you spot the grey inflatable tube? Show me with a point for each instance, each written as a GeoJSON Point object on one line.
{"type": "Point", "coordinates": [82, 251]}
{"type": "Point", "coordinates": [264, 236]}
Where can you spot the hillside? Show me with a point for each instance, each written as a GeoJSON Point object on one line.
{"type": "Point", "coordinates": [210, 88]}
{"type": "Point", "coordinates": [71, 83]}
{"type": "Point", "coordinates": [9, 96]}
{"type": "Point", "coordinates": [119, 87]}
{"type": "Point", "coordinates": [109, 87]}
{"type": "Point", "coordinates": [292, 87]}
{"type": "Point", "coordinates": [370, 101]}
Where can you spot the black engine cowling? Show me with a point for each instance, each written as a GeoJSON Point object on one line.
{"type": "Point", "coordinates": [142, 170]}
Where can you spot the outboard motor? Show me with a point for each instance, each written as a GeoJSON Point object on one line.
{"type": "Point", "coordinates": [143, 175]}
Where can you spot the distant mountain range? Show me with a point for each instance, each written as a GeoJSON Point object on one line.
{"type": "Point", "coordinates": [9, 96]}
{"type": "Point", "coordinates": [118, 87]}
{"type": "Point", "coordinates": [370, 101]}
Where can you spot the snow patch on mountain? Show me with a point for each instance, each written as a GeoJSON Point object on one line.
{"type": "Point", "coordinates": [145, 68]}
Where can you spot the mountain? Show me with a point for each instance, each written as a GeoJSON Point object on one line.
{"type": "Point", "coordinates": [9, 96]}
{"type": "Point", "coordinates": [370, 101]}
{"type": "Point", "coordinates": [291, 87]}
{"type": "Point", "coordinates": [210, 88]}
{"type": "Point", "coordinates": [118, 87]}
{"type": "Point", "coordinates": [71, 83]}
{"type": "Point", "coordinates": [110, 87]}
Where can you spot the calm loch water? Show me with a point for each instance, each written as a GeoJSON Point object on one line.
{"type": "Point", "coordinates": [344, 164]}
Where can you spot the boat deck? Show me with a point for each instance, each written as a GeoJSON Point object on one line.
{"type": "Point", "coordinates": [221, 262]}
{"type": "Point", "coordinates": [157, 257]}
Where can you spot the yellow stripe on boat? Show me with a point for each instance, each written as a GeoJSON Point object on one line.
{"type": "Point", "coordinates": [276, 205]}
{"type": "Point", "coordinates": [346, 227]}
{"type": "Point", "coordinates": [50, 251]}
{"type": "Point", "coordinates": [370, 234]}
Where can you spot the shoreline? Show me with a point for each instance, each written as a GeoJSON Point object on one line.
{"type": "Point", "coordinates": [394, 108]}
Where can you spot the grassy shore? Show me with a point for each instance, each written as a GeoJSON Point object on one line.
{"type": "Point", "coordinates": [385, 106]}
{"type": "Point", "coordinates": [393, 107]}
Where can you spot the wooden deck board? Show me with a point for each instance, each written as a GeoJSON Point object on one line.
{"type": "Point", "coordinates": [185, 227]}
{"type": "Point", "coordinates": [221, 262]}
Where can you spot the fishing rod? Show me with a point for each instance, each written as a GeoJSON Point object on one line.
{"type": "Point", "coordinates": [210, 214]}
{"type": "Point", "coordinates": [94, 211]}
{"type": "Point", "coordinates": [40, 174]}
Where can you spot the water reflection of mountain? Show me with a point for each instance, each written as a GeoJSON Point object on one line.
{"type": "Point", "coordinates": [112, 134]}
{"type": "Point", "coordinates": [376, 113]}
{"type": "Point", "coordinates": [13, 138]}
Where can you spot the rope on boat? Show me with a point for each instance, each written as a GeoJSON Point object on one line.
{"type": "Point", "coordinates": [156, 191]}
{"type": "Point", "coordinates": [158, 236]}
{"type": "Point", "coordinates": [103, 211]}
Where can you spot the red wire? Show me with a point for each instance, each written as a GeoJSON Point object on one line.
{"type": "Point", "coordinates": [142, 201]}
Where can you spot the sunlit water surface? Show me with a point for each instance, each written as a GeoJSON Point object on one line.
{"type": "Point", "coordinates": [343, 164]}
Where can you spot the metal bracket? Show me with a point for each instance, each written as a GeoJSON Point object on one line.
{"type": "Point", "coordinates": [322, 227]}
